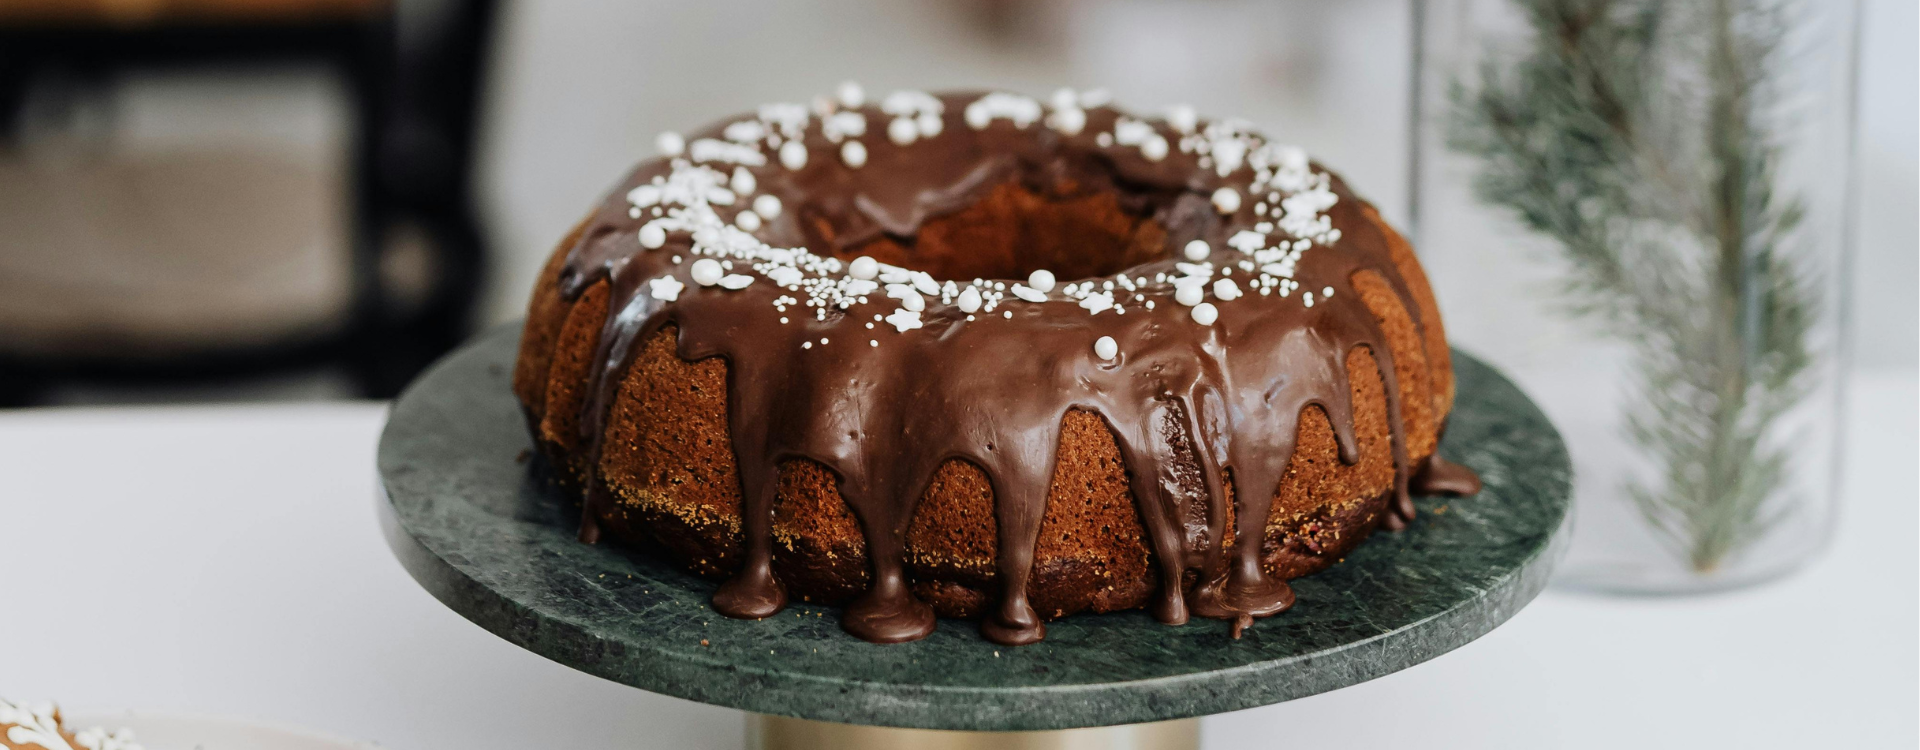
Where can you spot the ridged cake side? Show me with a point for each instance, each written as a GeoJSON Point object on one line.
{"type": "Point", "coordinates": [669, 467]}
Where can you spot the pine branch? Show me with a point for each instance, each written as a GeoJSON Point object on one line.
{"type": "Point", "coordinates": [1633, 132]}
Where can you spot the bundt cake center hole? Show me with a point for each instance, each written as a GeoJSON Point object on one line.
{"type": "Point", "coordinates": [1015, 230]}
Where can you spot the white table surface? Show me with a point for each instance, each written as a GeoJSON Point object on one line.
{"type": "Point", "coordinates": [226, 560]}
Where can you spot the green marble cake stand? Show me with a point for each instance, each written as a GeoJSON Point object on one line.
{"type": "Point", "coordinates": [470, 516]}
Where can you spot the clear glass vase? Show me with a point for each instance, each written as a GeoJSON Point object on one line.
{"type": "Point", "coordinates": [1639, 210]}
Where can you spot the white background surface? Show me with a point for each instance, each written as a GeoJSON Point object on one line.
{"type": "Point", "coordinates": [226, 560]}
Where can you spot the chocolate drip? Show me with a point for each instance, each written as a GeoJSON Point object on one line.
{"type": "Point", "coordinates": [993, 389]}
{"type": "Point", "coordinates": [1438, 476]}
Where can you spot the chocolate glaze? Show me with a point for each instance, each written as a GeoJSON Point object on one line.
{"type": "Point", "coordinates": [993, 391]}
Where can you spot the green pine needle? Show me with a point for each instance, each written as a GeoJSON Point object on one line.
{"type": "Point", "coordinates": [1632, 132]}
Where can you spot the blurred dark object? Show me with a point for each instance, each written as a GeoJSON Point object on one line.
{"type": "Point", "coordinates": [411, 75]}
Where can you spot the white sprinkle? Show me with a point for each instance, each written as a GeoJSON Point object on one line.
{"type": "Point", "coordinates": [1190, 295]}
{"type": "Point", "coordinates": [1008, 315]}
{"type": "Point", "coordinates": [904, 320]}
{"type": "Point", "coordinates": [1226, 290]}
{"type": "Point", "coordinates": [806, 345]}
{"type": "Point", "coordinates": [1068, 121]}
{"type": "Point", "coordinates": [1205, 313]}
{"type": "Point", "coordinates": [745, 131]}
{"type": "Point", "coordinates": [748, 221]}
{"type": "Point", "coordinates": [863, 267]}
{"type": "Point", "coordinates": [1131, 132]}
{"type": "Point", "coordinates": [1246, 241]}
{"type": "Point", "coordinates": [1198, 250]}
{"type": "Point", "coordinates": [969, 300]}
{"type": "Point", "coordinates": [851, 95]}
{"type": "Point", "coordinates": [930, 124]}
{"type": "Point", "coordinates": [786, 275]}
{"type": "Point", "coordinates": [707, 272]}
{"type": "Point", "coordinates": [902, 131]}
{"type": "Point", "coordinates": [708, 149]}
{"type": "Point", "coordinates": [783, 320]}
{"type": "Point", "coordinates": [1106, 348]}
{"type": "Point", "coordinates": [743, 182]}
{"type": "Point", "coordinates": [1028, 293]}
{"type": "Point", "coordinates": [1226, 200]}
{"type": "Point", "coordinates": [676, 260]}
{"type": "Point", "coordinates": [652, 235]}
{"type": "Point", "coordinates": [736, 281]}
{"type": "Point", "coordinates": [909, 298]}
{"type": "Point", "coordinates": [1155, 147]}
{"type": "Point", "coordinates": [1041, 280]}
{"type": "Point", "coordinates": [1103, 140]}
{"type": "Point", "coordinates": [665, 288]}
{"type": "Point", "coordinates": [854, 154]}
{"type": "Point", "coordinates": [670, 143]}
{"type": "Point", "coordinates": [644, 196]}
{"type": "Point", "coordinates": [767, 206]}
{"type": "Point", "coordinates": [1307, 298]}
{"type": "Point", "coordinates": [793, 155]}
{"type": "Point", "coordinates": [1096, 302]}
{"type": "Point", "coordinates": [1326, 291]}
{"type": "Point", "coordinates": [840, 125]}
{"type": "Point", "coordinates": [871, 342]}
{"type": "Point", "coordinates": [977, 116]}
{"type": "Point", "coordinates": [1182, 118]}
{"type": "Point", "coordinates": [823, 341]}
{"type": "Point", "coordinates": [1149, 304]}
{"type": "Point", "coordinates": [924, 282]}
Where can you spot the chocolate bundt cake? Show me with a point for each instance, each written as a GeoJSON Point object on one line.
{"type": "Point", "coordinates": [978, 356]}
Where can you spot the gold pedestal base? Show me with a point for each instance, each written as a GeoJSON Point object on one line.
{"type": "Point", "coordinates": [781, 733]}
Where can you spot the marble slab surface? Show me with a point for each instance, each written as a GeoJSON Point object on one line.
{"type": "Point", "coordinates": [473, 522]}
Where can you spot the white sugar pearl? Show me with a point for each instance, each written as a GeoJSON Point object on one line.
{"type": "Point", "coordinates": [743, 182]}
{"type": "Point", "coordinates": [1226, 200]}
{"type": "Point", "coordinates": [930, 124]}
{"type": "Point", "coordinates": [1041, 280]}
{"type": "Point", "coordinates": [652, 236]}
{"type": "Point", "coordinates": [864, 267]}
{"type": "Point", "coordinates": [707, 272]}
{"type": "Point", "coordinates": [854, 154]}
{"type": "Point", "coordinates": [1198, 250]}
{"type": "Point", "coordinates": [793, 155]}
{"type": "Point", "coordinates": [1106, 348]}
{"type": "Point", "coordinates": [1155, 148]}
{"type": "Point", "coordinates": [902, 131]}
{"type": "Point", "coordinates": [1183, 118]}
{"type": "Point", "coordinates": [1326, 291]}
{"type": "Point", "coordinates": [851, 95]}
{"type": "Point", "coordinates": [1226, 290]}
{"type": "Point", "coordinates": [969, 300]}
{"type": "Point", "coordinates": [1190, 295]}
{"type": "Point", "coordinates": [670, 143]}
{"type": "Point", "coordinates": [977, 116]}
{"type": "Point", "coordinates": [747, 221]}
{"type": "Point", "coordinates": [1205, 313]}
{"type": "Point", "coordinates": [767, 206]}
{"type": "Point", "coordinates": [1072, 121]}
